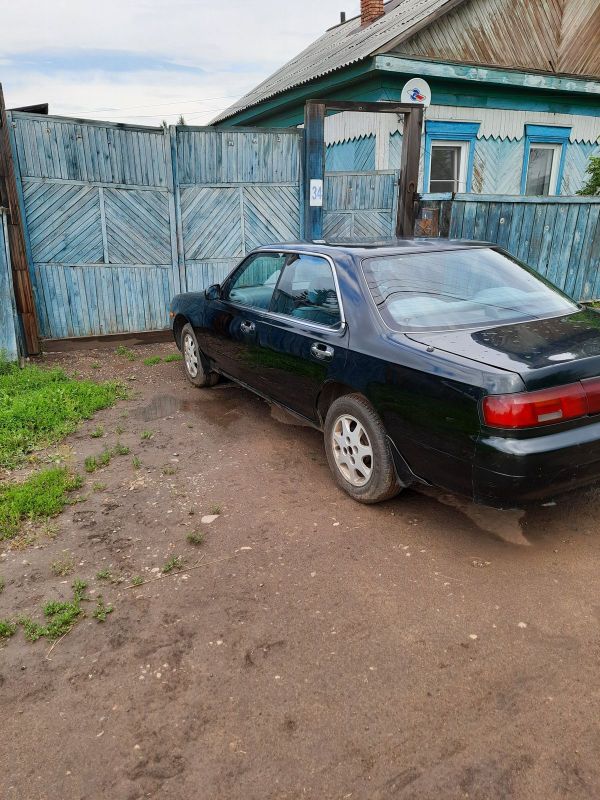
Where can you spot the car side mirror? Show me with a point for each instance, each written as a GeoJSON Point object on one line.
{"type": "Point", "coordinates": [213, 292]}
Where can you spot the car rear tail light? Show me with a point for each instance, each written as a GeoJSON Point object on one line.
{"type": "Point", "coordinates": [543, 407]}
{"type": "Point", "coordinates": [591, 387]}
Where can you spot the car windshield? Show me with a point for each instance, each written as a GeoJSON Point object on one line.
{"type": "Point", "coordinates": [459, 289]}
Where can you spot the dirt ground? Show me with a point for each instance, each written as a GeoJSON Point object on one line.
{"type": "Point", "coordinates": [311, 647]}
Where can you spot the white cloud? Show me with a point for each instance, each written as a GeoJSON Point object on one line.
{"type": "Point", "coordinates": [52, 52]}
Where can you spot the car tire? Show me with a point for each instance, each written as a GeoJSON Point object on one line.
{"type": "Point", "coordinates": [193, 360]}
{"type": "Point", "coordinates": [359, 452]}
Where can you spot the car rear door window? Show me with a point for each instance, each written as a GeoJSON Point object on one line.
{"type": "Point", "coordinates": [255, 281]}
{"type": "Point", "coordinates": [307, 291]}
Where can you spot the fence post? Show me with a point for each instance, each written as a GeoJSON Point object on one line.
{"type": "Point", "coordinates": [409, 174]}
{"type": "Point", "coordinates": [17, 238]}
{"type": "Point", "coordinates": [314, 168]}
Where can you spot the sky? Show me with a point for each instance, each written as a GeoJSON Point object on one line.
{"type": "Point", "coordinates": [144, 61]}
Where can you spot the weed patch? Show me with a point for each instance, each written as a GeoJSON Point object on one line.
{"type": "Point", "coordinates": [61, 616]}
{"type": "Point", "coordinates": [136, 463]}
{"type": "Point", "coordinates": [195, 538]}
{"type": "Point", "coordinates": [7, 628]}
{"type": "Point", "coordinates": [42, 495]}
{"type": "Point", "coordinates": [102, 610]}
{"type": "Point", "coordinates": [121, 449]}
{"type": "Point", "coordinates": [152, 361]}
{"type": "Point", "coordinates": [39, 406]}
{"type": "Point", "coordinates": [137, 580]}
{"type": "Point", "coordinates": [173, 357]}
{"type": "Point", "coordinates": [98, 432]}
{"type": "Point", "coordinates": [147, 435]}
{"type": "Point", "coordinates": [125, 352]}
{"type": "Point", "coordinates": [63, 566]}
{"type": "Point", "coordinates": [176, 562]}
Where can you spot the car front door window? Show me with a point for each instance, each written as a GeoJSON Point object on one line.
{"type": "Point", "coordinates": [254, 283]}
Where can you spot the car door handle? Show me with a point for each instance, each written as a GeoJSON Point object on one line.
{"type": "Point", "coordinates": [247, 327]}
{"type": "Point", "coordinates": [322, 351]}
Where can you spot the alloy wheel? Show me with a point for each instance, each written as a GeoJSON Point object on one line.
{"type": "Point", "coordinates": [190, 354]}
{"type": "Point", "coordinates": [352, 450]}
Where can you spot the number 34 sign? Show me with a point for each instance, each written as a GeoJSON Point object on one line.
{"type": "Point", "coordinates": [316, 192]}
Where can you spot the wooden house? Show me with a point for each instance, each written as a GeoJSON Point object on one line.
{"type": "Point", "coordinates": [515, 91]}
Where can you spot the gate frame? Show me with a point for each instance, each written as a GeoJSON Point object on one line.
{"type": "Point", "coordinates": [315, 112]}
{"type": "Point", "coordinates": [18, 241]}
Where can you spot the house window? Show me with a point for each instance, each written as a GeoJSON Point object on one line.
{"type": "Point", "coordinates": [448, 172]}
{"type": "Point", "coordinates": [449, 151]}
{"type": "Point", "coordinates": [543, 163]}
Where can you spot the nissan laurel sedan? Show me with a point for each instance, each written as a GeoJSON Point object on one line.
{"type": "Point", "coordinates": [440, 362]}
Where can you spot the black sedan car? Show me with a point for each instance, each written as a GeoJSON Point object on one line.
{"type": "Point", "coordinates": [442, 362]}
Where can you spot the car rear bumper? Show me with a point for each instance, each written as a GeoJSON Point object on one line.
{"type": "Point", "coordinates": [508, 472]}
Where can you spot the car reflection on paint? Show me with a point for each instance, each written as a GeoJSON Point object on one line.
{"type": "Point", "coordinates": [440, 362]}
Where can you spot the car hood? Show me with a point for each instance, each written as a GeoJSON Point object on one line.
{"type": "Point", "coordinates": [543, 352]}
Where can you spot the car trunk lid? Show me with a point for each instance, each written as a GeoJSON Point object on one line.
{"type": "Point", "coordinates": [544, 352]}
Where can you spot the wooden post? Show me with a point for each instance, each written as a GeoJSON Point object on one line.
{"type": "Point", "coordinates": [17, 239]}
{"type": "Point", "coordinates": [409, 175]}
{"type": "Point", "coordinates": [314, 168]}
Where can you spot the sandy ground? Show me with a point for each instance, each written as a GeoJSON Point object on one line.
{"type": "Point", "coordinates": [311, 647]}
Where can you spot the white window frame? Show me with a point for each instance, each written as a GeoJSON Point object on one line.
{"type": "Point", "coordinates": [556, 156]}
{"type": "Point", "coordinates": [464, 162]}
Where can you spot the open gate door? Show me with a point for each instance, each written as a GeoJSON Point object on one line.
{"type": "Point", "coordinates": [314, 160]}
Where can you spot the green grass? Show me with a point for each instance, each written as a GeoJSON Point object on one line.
{"type": "Point", "coordinates": [63, 566]}
{"type": "Point", "coordinates": [152, 361]}
{"type": "Point", "coordinates": [7, 628]}
{"type": "Point", "coordinates": [61, 616]}
{"type": "Point", "coordinates": [38, 407]}
{"type": "Point", "coordinates": [147, 435]}
{"type": "Point", "coordinates": [195, 538]}
{"type": "Point", "coordinates": [92, 463]}
{"type": "Point", "coordinates": [173, 357]}
{"type": "Point", "coordinates": [137, 580]}
{"type": "Point", "coordinates": [104, 575]}
{"type": "Point", "coordinates": [98, 432]}
{"type": "Point", "coordinates": [43, 495]}
{"type": "Point", "coordinates": [175, 562]}
{"type": "Point", "coordinates": [102, 610]}
{"type": "Point", "coordinates": [136, 463]}
{"type": "Point", "coordinates": [125, 352]}
{"type": "Point", "coordinates": [99, 487]}
{"type": "Point", "coordinates": [121, 449]}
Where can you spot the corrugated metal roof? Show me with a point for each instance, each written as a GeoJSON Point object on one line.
{"type": "Point", "coordinates": [339, 47]}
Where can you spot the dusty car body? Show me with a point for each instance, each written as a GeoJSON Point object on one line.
{"type": "Point", "coordinates": [480, 375]}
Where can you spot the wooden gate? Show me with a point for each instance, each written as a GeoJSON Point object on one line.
{"type": "Point", "coordinates": [360, 205]}
{"type": "Point", "coordinates": [120, 218]}
{"type": "Point", "coordinates": [236, 190]}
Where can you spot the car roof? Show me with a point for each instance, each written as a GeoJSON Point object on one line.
{"type": "Point", "coordinates": [375, 247]}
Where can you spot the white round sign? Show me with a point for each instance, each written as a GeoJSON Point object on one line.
{"type": "Point", "coordinates": [416, 90]}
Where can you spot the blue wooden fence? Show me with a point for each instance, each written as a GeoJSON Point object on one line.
{"type": "Point", "coordinates": [558, 236]}
{"type": "Point", "coordinates": [119, 218]}
{"type": "Point", "coordinates": [8, 315]}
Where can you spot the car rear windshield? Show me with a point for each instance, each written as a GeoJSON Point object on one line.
{"type": "Point", "coordinates": [459, 289]}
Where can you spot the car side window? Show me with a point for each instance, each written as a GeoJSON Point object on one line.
{"type": "Point", "coordinates": [255, 280]}
{"type": "Point", "coordinates": [306, 290]}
